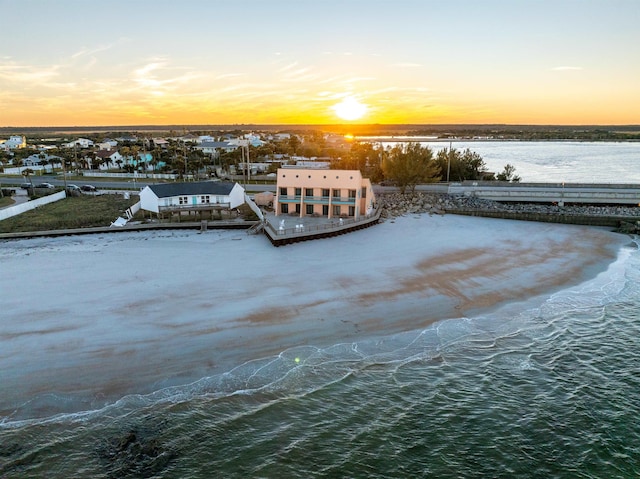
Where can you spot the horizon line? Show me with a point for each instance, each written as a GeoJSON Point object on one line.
{"type": "Point", "coordinates": [333, 125]}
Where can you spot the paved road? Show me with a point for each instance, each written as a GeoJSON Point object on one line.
{"type": "Point", "coordinates": [21, 196]}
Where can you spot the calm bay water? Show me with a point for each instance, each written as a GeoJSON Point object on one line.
{"type": "Point", "coordinates": [558, 161]}
{"type": "Point", "coordinates": [552, 391]}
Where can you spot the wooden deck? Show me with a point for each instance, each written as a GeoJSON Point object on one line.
{"type": "Point", "coordinates": [314, 228]}
{"type": "Point", "coordinates": [192, 225]}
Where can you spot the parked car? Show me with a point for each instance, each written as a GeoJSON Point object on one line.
{"type": "Point", "coordinates": [25, 186]}
{"type": "Point", "coordinates": [73, 187]}
{"type": "Point", "coordinates": [45, 185]}
{"type": "Point", "coordinates": [88, 188]}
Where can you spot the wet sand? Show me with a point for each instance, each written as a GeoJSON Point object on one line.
{"type": "Point", "coordinates": [89, 319]}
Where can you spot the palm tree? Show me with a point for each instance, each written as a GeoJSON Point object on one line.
{"type": "Point", "coordinates": [28, 172]}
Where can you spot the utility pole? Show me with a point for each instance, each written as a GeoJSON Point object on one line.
{"type": "Point", "coordinates": [248, 162]}
{"type": "Point", "coordinates": [449, 162]}
{"type": "Point", "coordinates": [64, 174]}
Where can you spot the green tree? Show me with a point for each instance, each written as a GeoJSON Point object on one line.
{"type": "Point", "coordinates": [508, 174]}
{"type": "Point", "coordinates": [409, 165]}
{"type": "Point", "coordinates": [457, 165]}
{"type": "Point", "coordinates": [293, 145]}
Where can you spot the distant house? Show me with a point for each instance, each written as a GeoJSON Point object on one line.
{"type": "Point", "coordinates": [215, 147]}
{"type": "Point", "coordinates": [281, 136]}
{"type": "Point", "coordinates": [80, 143]}
{"type": "Point", "coordinates": [160, 143]}
{"type": "Point", "coordinates": [198, 197]}
{"type": "Point", "coordinates": [107, 144]}
{"type": "Point", "coordinates": [140, 162]}
{"type": "Point", "coordinates": [47, 162]}
{"type": "Point", "coordinates": [15, 142]}
{"type": "Point", "coordinates": [107, 159]}
{"type": "Point", "coordinates": [127, 139]}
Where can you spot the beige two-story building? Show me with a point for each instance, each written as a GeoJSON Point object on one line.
{"type": "Point", "coordinates": [322, 192]}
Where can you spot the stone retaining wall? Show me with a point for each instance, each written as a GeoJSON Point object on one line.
{"type": "Point", "coordinates": [396, 204]}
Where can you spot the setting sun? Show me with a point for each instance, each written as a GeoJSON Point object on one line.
{"type": "Point", "coordinates": [350, 109]}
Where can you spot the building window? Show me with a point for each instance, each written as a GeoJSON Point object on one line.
{"type": "Point", "coordinates": [325, 210]}
{"type": "Point", "coordinates": [298, 208]}
{"type": "Point", "coordinates": [308, 192]}
{"type": "Point", "coordinates": [309, 209]}
{"type": "Point", "coordinates": [336, 193]}
{"type": "Point", "coordinates": [298, 192]}
{"type": "Point", "coordinates": [283, 192]}
{"type": "Point", "coordinates": [325, 192]}
{"type": "Point", "coordinates": [183, 200]}
{"type": "Point", "coordinates": [352, 210]}
{"type": "Point", "coordinates": [364, 192]}
{"type": "Point", "coordinates": [284, 208]}
{"type": "Point", "coordinates": [352, 193]}
{"type": "Point", "coordinates": [336, 210]}
{"type": "Point", "coordinates": [205, 199]}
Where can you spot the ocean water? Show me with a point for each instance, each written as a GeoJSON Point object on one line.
{"type": "Point", "coordinates": [548, 391]}
{"type": "Point", "coordinates": [558, 161]}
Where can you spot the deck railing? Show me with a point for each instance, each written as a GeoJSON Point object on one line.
{"type": "Point", "coordinates": [202, 206]}
{"type": "Point", "coordinates": [307, 230]}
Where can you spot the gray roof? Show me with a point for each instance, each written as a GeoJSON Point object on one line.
{"type": "Point", "coordinates": [215, 144]}
{"type": "Point", "coordinates": [167, 190]}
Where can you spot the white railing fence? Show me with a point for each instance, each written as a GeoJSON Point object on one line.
{"type": "Point", "coordinates": [31, 205]}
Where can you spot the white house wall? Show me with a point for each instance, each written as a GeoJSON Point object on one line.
{"type": "Point", "coordinates": [236, 197]}
{"type": "Point", "coordinates": [149, 200]}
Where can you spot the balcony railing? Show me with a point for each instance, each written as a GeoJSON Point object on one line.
{"type": "Point", "coordinates": [319, 200]}
{"type": "Point", "coordinates": [344, 200]}
{"type": "Point", "coordinates": [198, 206]}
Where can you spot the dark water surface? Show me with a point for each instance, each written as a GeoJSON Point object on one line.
{"type": "Point", "coordinates": [547, 392]}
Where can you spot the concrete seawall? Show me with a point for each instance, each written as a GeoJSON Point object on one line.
{"type": "Point", "coordinates": [588, 220]}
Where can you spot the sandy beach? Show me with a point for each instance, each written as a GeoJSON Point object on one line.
{"type": "Point", "coordinates": [89, 319]}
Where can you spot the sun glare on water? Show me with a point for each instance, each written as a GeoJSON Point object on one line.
{"type": "Point", "coordinates": [350, 109]}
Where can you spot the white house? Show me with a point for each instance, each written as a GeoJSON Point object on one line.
{"type": "Point", "coordinates": [43, 160]}
{"type": "Point", "coordinates": [196, 196]}
{"type": "Point", "coordinates": [80, 143]}
{"type": "Point", "coordinates": [107, 159]}
{"type": "Point", "coordinates": [107, 144]}
{"type": "Point", "coordinates": [281, 136]}
{"type": "Point", "coordinates": [15, 142]}
{"type": "Point", "coordinates": [248, 139]}
{"type": "Point", "coordinates": [214, 147]}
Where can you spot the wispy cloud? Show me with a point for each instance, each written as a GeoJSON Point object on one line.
{"type": "Point", "coordinates": [566, 68]}
{"type": "Point", "coordinates": [27, 74]}
{"type": "Point", "coordinates": [227, 75]}
{"type": "Point", "coordinates": [407, 65]}
{"type": "Point", "coordinates": [157, 77]}
{"type": "Point", "coordinates": [93, 51]}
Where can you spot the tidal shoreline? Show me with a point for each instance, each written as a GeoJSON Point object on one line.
{"type": "Point", "coordinates": [113, 315]}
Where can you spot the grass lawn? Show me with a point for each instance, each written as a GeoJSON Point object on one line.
{"type": "Point", "coordinates": [73, 212]}
{"type": "Point", "coordinates": [6, 201]}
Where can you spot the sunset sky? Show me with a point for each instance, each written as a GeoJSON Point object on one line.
{"type": "Point", "coordinates": [136, 62]}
